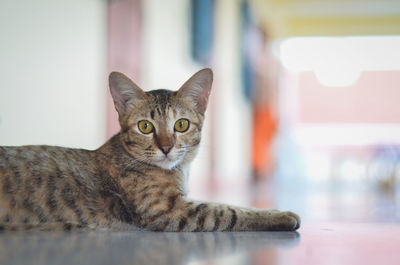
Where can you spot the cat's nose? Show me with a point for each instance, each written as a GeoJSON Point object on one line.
{"type": "Point", "coordinates": [166, 149]}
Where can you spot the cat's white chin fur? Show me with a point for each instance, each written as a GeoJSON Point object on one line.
{"type": "Point", "coordinates": [167, 163]}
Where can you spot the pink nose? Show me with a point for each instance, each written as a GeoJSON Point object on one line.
{"type": "Point", "coordinates": [166, 148]}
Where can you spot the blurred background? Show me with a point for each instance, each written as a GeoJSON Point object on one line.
{"type": "Point", "coordinates": [304, 112]}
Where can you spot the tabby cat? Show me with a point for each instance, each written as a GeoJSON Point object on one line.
{"type": "Point", "coordinates": [135, 180]}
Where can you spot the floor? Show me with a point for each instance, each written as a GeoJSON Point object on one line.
{"type": "Point", "coordinates": [315, 243]}
{"type": "Point", "coordinates": [338, 228]}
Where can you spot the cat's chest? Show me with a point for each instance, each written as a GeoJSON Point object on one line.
{"type": "Point", "coordinates": [157, 180]}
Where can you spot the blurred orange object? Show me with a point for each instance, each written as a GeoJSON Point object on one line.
{"type": "Point", "coordinates": [264, 129]}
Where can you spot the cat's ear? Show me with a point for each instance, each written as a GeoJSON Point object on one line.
{"type": "Point", "coordinates": [124, 92]}
{"type": "Point", "coordinates": [197, 89]}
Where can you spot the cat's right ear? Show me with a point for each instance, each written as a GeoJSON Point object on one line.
{"type": "Point", "coordinates": [124, 92]}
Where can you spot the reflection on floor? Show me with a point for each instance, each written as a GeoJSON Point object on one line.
{"type": "Point", "coordinates": [339, 227]}
{"type": "Point", "coordinates": [136, 247]}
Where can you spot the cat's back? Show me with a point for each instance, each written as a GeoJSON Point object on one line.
{"type": "Point", "coordinates": [40, 157]}
{"type": "Point", "coordinates": [44, 183]}
{"type": "Point", "coordinates": [30, 167]}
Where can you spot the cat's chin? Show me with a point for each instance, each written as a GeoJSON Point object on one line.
{"type": "Point", "coordinates": [167, 163]}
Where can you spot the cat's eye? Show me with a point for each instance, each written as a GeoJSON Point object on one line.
{"type": "Point", "coordinates": [145, 127]}
{"type": "Point", "coordinates": [182, 125]}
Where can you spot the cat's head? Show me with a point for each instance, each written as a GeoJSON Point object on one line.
{"type": "Point", "coordinates": [161, 127]}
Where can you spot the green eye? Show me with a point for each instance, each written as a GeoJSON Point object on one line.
{"type": "Point", "coordinates": [145, 127]}
{"type": "Point", "coordinates": [182, 125]}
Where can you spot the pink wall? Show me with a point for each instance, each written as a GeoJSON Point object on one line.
{"type": "Point", "coordinates": [374, 98]}
{"type": "Point", "coordinates": [124, 39]}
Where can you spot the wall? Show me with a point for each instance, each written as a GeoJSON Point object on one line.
{"type": "Point", "coordinates": [52, 71]}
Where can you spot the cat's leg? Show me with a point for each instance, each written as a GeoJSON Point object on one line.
{"type": "Point", "coordinates": [175, 213]}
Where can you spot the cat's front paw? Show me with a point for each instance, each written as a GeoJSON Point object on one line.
{"type": "Point", "coordinates": [283, 221]}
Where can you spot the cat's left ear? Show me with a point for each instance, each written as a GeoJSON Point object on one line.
{"type": "Point", "coordinates": [197, 89]}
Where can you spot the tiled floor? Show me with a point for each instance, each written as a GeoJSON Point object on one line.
{"type": "Point", "coordinates": [338, 228]}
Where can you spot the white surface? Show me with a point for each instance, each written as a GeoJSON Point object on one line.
{"type": "Point", "coordinates": [166, 61]}
{"type": "Point", "coordinates": [338, 61]}
{"type": "Point", "coordinates": [347, 134]}
{"type": "Point", "coordinates": [52, 70]}
{"type": "Point", "coordinates": [232, 112]}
